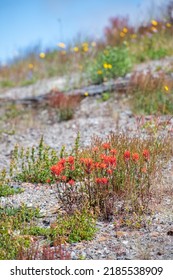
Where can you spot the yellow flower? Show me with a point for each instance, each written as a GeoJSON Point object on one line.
{"type": "Point", "coordinates": [154, 22]}
{"type": "Point", "coordinates": [125, 30]}
{"type": "Point", "coordinates": [42, 55]}
{"type": "Point", "coordinates": [99, 72]}
{"type": "Point", "coordinates": [168, 24]}
{"type": "Point", "coordinates": [93, 44]}
{"type": "Point", "coordinates": [166, 88]}
{"type": "Point", "coordinates": [75, 49]}
{"type": "Point", "coordinates": [122, 34]}
{"type": "Point", "coordinates": [133, 36]}
{"type": "Point", "coordinates": [86, 93]}
{"type": "Point", "coordinates": [85, 44]}
{"type": "Point", "coordinates": [85, 49]}
{"type": "Point", "coordinates": [30, 66]}
{"type": "Point", "coordinates": [154, 29]}
{"type": "Point", "coordinates": [61, 45]}
{"type": "Point", "coordinates": [109, 66]}
{"type": "Point", "coordinates": [105, 65]}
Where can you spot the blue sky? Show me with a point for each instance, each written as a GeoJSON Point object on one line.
{"type": "Point", "coordinates": [27, 23]}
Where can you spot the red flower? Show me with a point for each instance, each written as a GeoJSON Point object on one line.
{"type": "Point", "coordinates": [102, 165]}
{"type": "Point", "coordinates": [135, 157]}
{"type": "Point", "coordinates": [127, 155]}
{"type": "Point", "coordinates": [113, 151]}
{"type": "Point", "coordinates": [57, 169]}
{"type": "Point", "coordinates": [106, 146]}
{"type": "Point", "coordinates": [146, 154]}
{"type": "Point", "coordinates": [71, 182]}
{"type": "Point", "coordinates": [64, 178]}
{"type": "Point", "coordinates": [109, 160]}
{"type": "Point", "coordinates": [48, 181]}
{"type": "Point", "coordinates": [103, 181]}
{"type": "Point", "coordinates": [109, 171]}
{"type": "Point", "coordinates": [70, 159]}
{"type": "Point", "coordinates": [61, 161]}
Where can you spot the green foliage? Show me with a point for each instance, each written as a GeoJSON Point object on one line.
{"type": "Point", "coordinates": [6, 84]}
{"type": "Point", "coordinates": [151, 95]}
{"type": "Point", "coordinates": [12, 221]}
{"type": "Point", "coordinates": [105, 96]}
{"type": "Point", "coordinates": [5, 189]}
{"type": "Point", "coordinates": [74, 228]}
{"type": "Point", "coordinates": [110, 63]}
{"type": "Point", "coordinates": [33, 164]}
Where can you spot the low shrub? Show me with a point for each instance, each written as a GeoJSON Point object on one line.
{"type": "Point", "coordinates": [151, 95]}
{"type": "Point", "coordinates": [110, 63]}
{"type": "Point", "coordinates": [33, 164]}
{"type": "Point", "coordinates": [65, 105]}
{"type": "Point", "coordinates": [119, 167]}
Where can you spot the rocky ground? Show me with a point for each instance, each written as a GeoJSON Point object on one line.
{"type": "Point", "coordinates": [93, 117]}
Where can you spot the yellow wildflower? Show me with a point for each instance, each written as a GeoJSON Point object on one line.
{"type": "Point", "coordinates": [154, 29]}
{"type": "Point", "coordinates": [122, 34]}
{"type": "Point", "coordinates": [99, 72]}
{"type": "Point", "coordinates": [86, 93]}
{"type": "Point", "coordinates": [168, 25]}
{"type": "Point", "coordinates": [42, 55]}
{"type": "Point", "coordinates": [30, 66]}
{"type": "Point", "coordinates": [154, 22]}
{"type": "Point", "coordinates": [133, 36]}
{"type": "Point", "coordinates": [125, 30]}
{"type": "Point", "coordinates": [75, 49]}
{"type": "Point", "coordinates": [61, 45]}
{"type": "Point", "coordinates": [166, 88]}
{"type": "Point", "coordinates": [105, 65]}
{"type": "Point", "coordinates": [109, 66]}
{"type": "Point", "coordinates": [85, 49]}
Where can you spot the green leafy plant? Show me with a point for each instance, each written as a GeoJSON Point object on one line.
{"type": "Point", "coordinates": [5, 188]}
{"type": "Point", "coordinates": [74, 228]}
{"type": "Point", "coordinates": [33, 164]}
{"type": "Point", "coordinates": [110, 63]}
{"type": "Point", "coordinates": [12, 222]}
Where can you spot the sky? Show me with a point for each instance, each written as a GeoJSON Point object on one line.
{"type": "Point", "coordinates": [29, 23]}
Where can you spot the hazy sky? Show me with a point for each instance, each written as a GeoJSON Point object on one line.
{"type": "Point", "coordinates": [25, 23]}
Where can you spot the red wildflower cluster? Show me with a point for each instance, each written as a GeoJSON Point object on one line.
{"type": "Point", "coordinates": [70, 160]}
{"type": "Point", "coordinates": [135, 157]}
{"type": "Point", "coordinates": [71, 182]}
{"type": "Point", "coordinates": [146, 154]}
{"type": "Point", "coordinates": [108, 160]}
{"type": "Point", "coordinates": [57, 169]}
{"type": "Point", "coordinates": [127, 155]}
{"type": "Point", "coordinates": [88, 162]}
{"type": "Point", "coordinates": [106, 146]}
{"type": "Point", "coordinates": [103, 181]}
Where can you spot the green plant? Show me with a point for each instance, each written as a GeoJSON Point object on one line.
{"type": "Point", "coordinates": [105, 96]}
{"type": "Point", "coordinates": [5, 189]}
{"type": "Point", "coordinates": [12, 222]}
{"type": "Point", "coordinates": [151, 95]}
{"type": "Point", "coordinates": [110, 63]}
{"type": "Point", "coordinates": [119, 167]}
{"type": "Point", "coordinates": [74, 228]}
{"type": "Point", "coordinates": [65, 105]}
{"type": "Point", "coordinates": [33, 164]}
